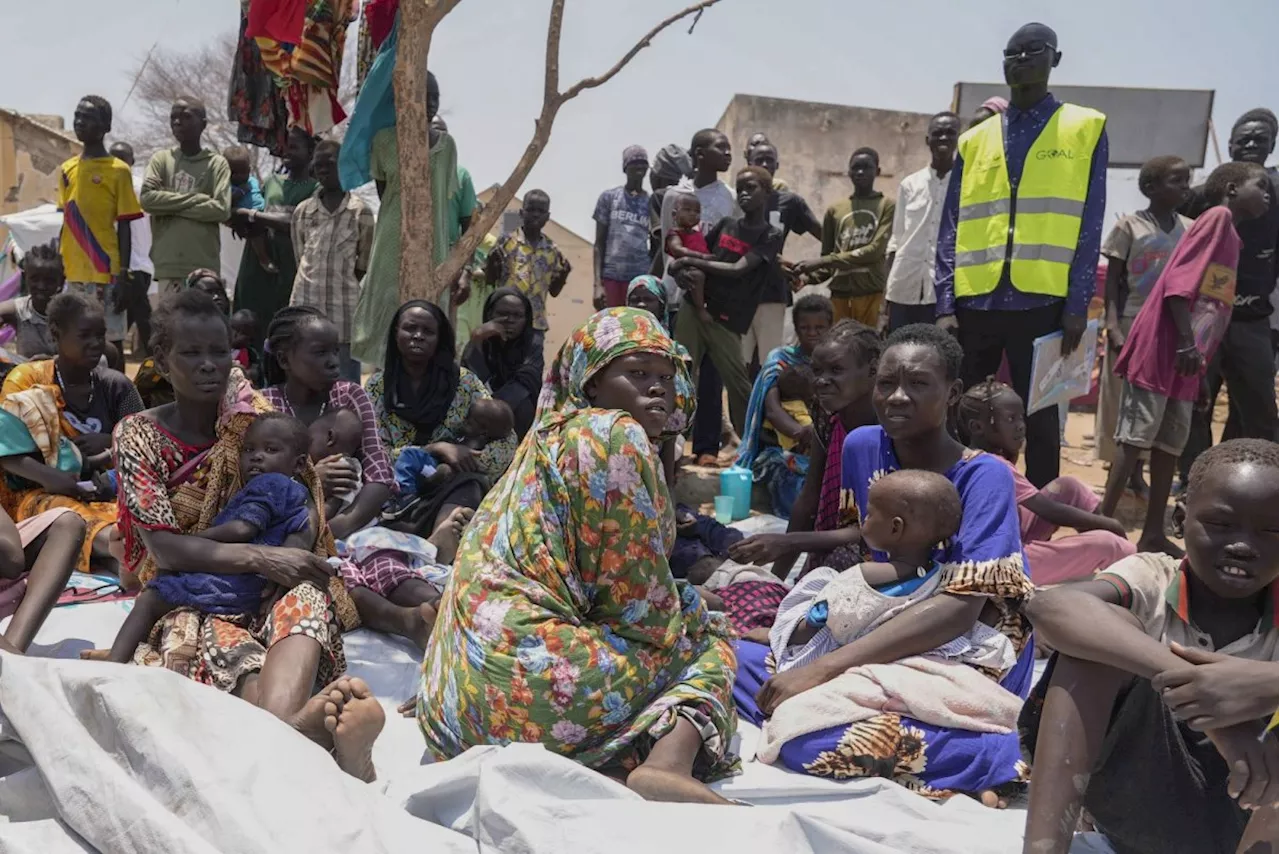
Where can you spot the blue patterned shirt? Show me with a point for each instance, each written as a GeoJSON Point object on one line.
{"type": "Point", "coordinates": [1021, 127]}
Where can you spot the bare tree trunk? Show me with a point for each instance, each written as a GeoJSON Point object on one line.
{"type": "Point", "coordinates": [419, 278]}
{"type": "Point", "coordinates": [413, 146]}
{"type": "Point", "coordinates": [418, 20]}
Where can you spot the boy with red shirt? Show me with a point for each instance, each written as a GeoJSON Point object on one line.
{"type": "Point", "coordinates": [1174, 336]}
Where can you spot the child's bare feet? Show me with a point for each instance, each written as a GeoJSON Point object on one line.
{"type": "Point", "coordinates": [411, 622]}
{"type": "Point", "coordinates": [424, 620]}
{"type": "Point", "coordinates": [449, 532]}
{"type": "Point", "coordinates": [95, 655]}
{"type": "Point", "coordinates": [355, 727]}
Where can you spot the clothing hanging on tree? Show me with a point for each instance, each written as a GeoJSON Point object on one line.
{"type": "Point", "coordinates": [377, 18]}
{"type": "Point", "coordinates": [278, 20]}
{"type": "Point", "coordinates": [254, 100]}
{"type": "Point", "coordinates": [305, 61]}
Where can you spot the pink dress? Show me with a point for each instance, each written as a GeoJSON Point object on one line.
{"type": "Point", "coordinates": [1073, 557]}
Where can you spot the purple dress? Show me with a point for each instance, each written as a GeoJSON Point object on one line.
{"type": "Point", "coordinates": [985, 558]}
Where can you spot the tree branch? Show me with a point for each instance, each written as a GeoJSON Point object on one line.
{"type": "Point", "coordinates": [552, 101]}
{"type": "Point", "coordinates": [593, 82]}
{"type": "Point", "coordinates": [551, 88]}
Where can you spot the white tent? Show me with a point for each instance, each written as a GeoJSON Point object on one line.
{"type": "Point", "coordinates": [43, 224]}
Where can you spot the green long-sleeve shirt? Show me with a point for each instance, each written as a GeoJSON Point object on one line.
{"type": "Point", "coordinates": [855, 236]}
{"type": "Point", "coordinates": [187, 198]}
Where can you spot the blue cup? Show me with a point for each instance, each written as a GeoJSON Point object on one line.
{"type": "Point", "coordinates": [724, 509]}
{"type": "Point", "coordinates": [736, 482]}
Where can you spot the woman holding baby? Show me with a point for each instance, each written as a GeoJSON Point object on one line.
{"type": "Point", "coordinates": [963, 613]}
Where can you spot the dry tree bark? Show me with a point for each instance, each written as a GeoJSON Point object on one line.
{"type": "Point", "coordinates": [418, 21]}
{"type": "Point", "coordinates": [419, 277]}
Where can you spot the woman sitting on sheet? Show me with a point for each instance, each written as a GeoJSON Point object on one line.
{"type": "Point", "coordinates": [59, 437]}
{"type": "Point", "coordinates": [562, 623]}
{"type": "Point", "coordinates": [505, 353]}
{"type": "Point", "coordinates": [153, 387]}
{"type": "Point", "coordinates": [779, 430]}
{"type": "Point", "coordinates": [844, 365]}
{"type": "Point", "coordinates": [178, 467]}
{"type": "Point", "coordinates": [421, 400]}
{"type": "Point", "coordinates": [303, 365]}
{"type": "Point", "coordinates": [982, 579]}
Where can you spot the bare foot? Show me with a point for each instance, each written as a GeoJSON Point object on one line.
{"type": "Point", "coordinates": [422, 620]}
{"type": "Point", "coordinates": [447, 534]}
{"type": "Point", "coordinates": [5, 646]}
{"type": "Point", "coordinates": [660, 784]}
{"type": "Point", "coordinates": [991, 799]}
{"type": "Point", "coordinates": [355, 727]}
{"type": "Point", "coordinates": [1159, 544]}
{"type": "Point", "coordinates": [95, 655]}
{"type": "Point", "coordinates": [310, 719]}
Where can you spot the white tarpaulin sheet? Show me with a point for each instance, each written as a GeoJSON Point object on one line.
{"type": "Point", "coordinates": [110, 758]}
{"type": "Point", "coordinates": [126, 759]}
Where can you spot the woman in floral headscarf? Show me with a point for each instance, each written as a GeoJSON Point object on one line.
{"type": "Point", "coordinates": [562, 624]}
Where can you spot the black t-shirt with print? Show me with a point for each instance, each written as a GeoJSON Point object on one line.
{"type": "Point", "coordinates": [114, 397]}
{"type": "Point", "coordinates": [733, 301]}
{"type": "Point", "coordinates": [796, 217]}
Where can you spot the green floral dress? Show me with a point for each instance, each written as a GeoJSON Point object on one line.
{"type": "Point", "coordinates": [562, 623]}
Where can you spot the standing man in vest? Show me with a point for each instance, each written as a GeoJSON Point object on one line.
{"type": "Point", "coordinates": [1021, 229]}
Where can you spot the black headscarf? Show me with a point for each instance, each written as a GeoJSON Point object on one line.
{"type": "Point", "coordinates": [426, 409]}
{"type": "Point", "coordinates": [672, 163]}
{"type": "Point", "coordinates": [495, 361]}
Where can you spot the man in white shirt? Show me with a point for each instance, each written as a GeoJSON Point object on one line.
{"type": "Point", "coordinates": [136, 301]}
{"type": "Point", "coordinates": [909, 294]}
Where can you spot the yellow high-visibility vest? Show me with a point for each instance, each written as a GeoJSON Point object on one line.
{"type": "Point", "coordinates": [1046, 208]}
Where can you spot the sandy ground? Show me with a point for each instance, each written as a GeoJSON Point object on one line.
{"type": "Point", "coordinates": [1078, 459]}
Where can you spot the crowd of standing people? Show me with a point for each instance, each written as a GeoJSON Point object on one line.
{"type": "Point", "coordinates": [518, 523]}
